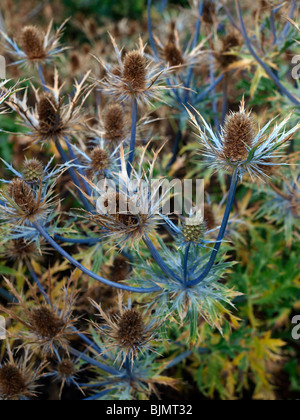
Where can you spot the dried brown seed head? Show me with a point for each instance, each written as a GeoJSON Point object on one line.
{"type": "Point", "coordinates": [209, 11]}
{"type": "Point", "coordinates": [239, 133]}
{"type": "Point", "coordinates": [114, 123]}
{"type": "Point", "coordinates": [32, 43]}
{"type": "Point", "coordinates": [173, 55]}
{"type": "Point", "coordinates": [33, 170]}
{"type": "Point", "coordinates": [131, 329]}
{"type": "Point", "coordinates": [120, 269]}
{"type": "Point", "coordinates": [23, 196]}
{"type": "Point", "coordinates": [12, 382]}
{"type": "Point", "coordinates": [135, 70]}
{"type": "Point", "coordinates": [99, 161]}
{"type": "Point", "coordinates": [75, 62]}
{"type": "Point", "coordinates": [45, 322]}
{"type": "Point", "coordinates": [49, 115]}
{"type": "Point", "coordinates": [229, 42]}
{"type": "Point", "coordinates": [66, 368]}
{"type": "Point", "coordinates": [20, 249]}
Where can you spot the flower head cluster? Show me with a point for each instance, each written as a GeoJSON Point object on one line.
{"type": "Point", "coordinates": [18, 377]}
{"type": "Point", "coordinates": [52, 119]}
{"type": "Point", "coordinates": [205, 299]}
{"type": "Point", "coordinates": [35, 46]}
{"type": "Point", "coordinates": [46, 328]}
{"type": "Point", "coordinates": [129, 213]}
{"type": "Point", "coordinates": [125, 334]}
{"type": "Point", "coordinates": [133, 77]}
{"type": "Point", "coordinates": [241, 145]}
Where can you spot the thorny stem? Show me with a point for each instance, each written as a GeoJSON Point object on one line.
{"type": "Point", "coordinates": [41, 76]}
{"type": "Point", "coordinates": [160, 262]}
{"type": "Point", "coordinates": [85, 270]}
{"type": "Point", "coordinates": [79, 241]}
{"type": "Point", "coordinates": [194, 44]}
{"type": "Point", "coordinates": [133, 135]}
{"type": "Point", "coordinates": [73, 175]}
{"type": "Point", "coordinates": [230, 200]}
{"type": "Point", "coordinates": [38, 283]}
{"type": "Point", "coordinates": [185, 263]}
{"type": "Point", "coordinates": [94, 362]}
{"type": "Point", "coordinates": [80, 171]}
{"type": "Point", "coordinates": [175, 148]}
{"type": "Point", "coordinates": [210, 89]}
{"type": "Point", "coordinates": [269, 72]}
{"type": "Point", "coordinates": [149, 23]}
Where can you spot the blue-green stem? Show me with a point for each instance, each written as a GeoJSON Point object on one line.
{"type": "Point", "coordinates": [185, 262]}
{"type": "Point", "coordinates": [73, 176]}
{"type": "Point", "coordinates": [160, 262]}
{"type": "Point", "coordinates": [85, 270]}
{"type": "Point", "coordinates": [150, 32]}
{"type": "Point", "coordinates": [230, 200]}
{"type": "Point", "coordinates": [133, 135]}
{"type": "Point", "coordinates": [94, 362]}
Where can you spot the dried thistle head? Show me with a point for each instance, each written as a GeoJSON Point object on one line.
{"type": "Point", "coordinates": [120, 269]}
{"type": "Point", "coordinates": [25, 204]}
{"type": "Point", "coordinates": [239, 134]}
{"type": "Point", "coordinates": [172, 54]}
{"type": "Point", "coordinates": [126, 332]}
{"type": "Point", "coordinates": [18, 378]}
{"type": "Point", "coordinates": [126, 216]}
{"type": "Point", "coordinates": [20, 249]}
{"type": "Point", "coordinates": [242, 145]}
{"type": "Point", "coordinates": [66, 368]}
{"type": "Point", "coordinates": [209, 11]}
{"type": "Point", "coordinates": [229, 43]}
{"type": "Point", "coordinates": [135, 71]}
{"type": "Point", "coordinates": [45, 322]}
{"type": "Point", "coordinates": [114, 123]}
{"type": "Point", "coordinates": [32, 43]}
{"type": "Point", "coordinates": [133, 77]}
{"type": "Point", "coordinates": [46, 328]}
{"type": "Point", "coordinates": [23, 196]}
{"type": "Point", "coordinates": [50, 122]}
{"type": "Point", "coordinates": [54, 117]}
{"type": "Point", "coordinates": [99, 162]}
{"type": "Point", "coordinates": [36, 46]}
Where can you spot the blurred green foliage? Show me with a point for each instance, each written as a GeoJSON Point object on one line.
{"type": "Point", "coordinates": [107, 8]}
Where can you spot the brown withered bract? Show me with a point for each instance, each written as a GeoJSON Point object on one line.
{"type": "Point", "coordinates": [114, 123]}
{"type": "Point", "coordinates": [120, 269]}
{"type": "Point", "coordinates": [131, 329]}
{"type": "Point", "coordinates": [239, 133]}
{"type": "Point", "coordinates": [66, 368]}
{"type": "Point", "coordinates": [45, 323]}
{"type": "Point", "coordinates": [229, 42]}
{"type": "Point", "coordinates": [172, 54]}
{"type": "Point", "coordinates": [17, 249]}
{"type": "Point", "coordinates": [49, 115]}
{"type": "Point", "coordinates": [32, 42]}
{"type": "Point", "coordinates": [12, 381]}
{"type": "Point", "coordinates": [23, 196]}
{"type": "Point", "coordinates": [99, 161]}
{"type": "Point", "coordinates": [135, 70]}
{"type": "Point", "coordinates": [209, 11]}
